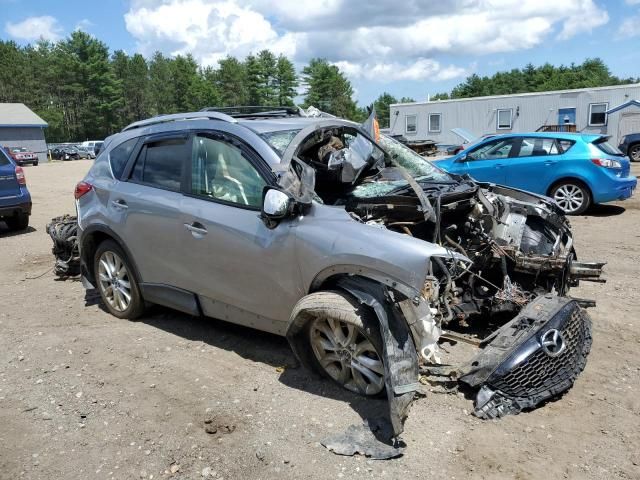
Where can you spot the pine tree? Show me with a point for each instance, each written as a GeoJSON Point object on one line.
{"type": "Point", "coordinates": [328, 89]}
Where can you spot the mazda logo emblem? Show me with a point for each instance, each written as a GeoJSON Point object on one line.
{"type": "Point", "coordinates": [553, 343]}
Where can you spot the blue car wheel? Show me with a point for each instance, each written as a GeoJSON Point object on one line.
{"type": "Point", "coordinates": [572, 196]}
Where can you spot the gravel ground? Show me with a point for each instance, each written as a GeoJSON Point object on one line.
{"type": "Point", "coordinates": [85, 395]}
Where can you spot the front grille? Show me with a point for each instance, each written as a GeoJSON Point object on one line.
{"type": "Point", "coordinates": [540, 373]}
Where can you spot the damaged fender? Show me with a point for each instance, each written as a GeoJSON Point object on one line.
{"type": "Point", "coordinates": [400, 358]}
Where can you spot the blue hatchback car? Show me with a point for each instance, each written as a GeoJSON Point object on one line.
{"type": "Point", "coordinates": [15, 200]}
{"type": "Point", "coordinates": [574, 169]}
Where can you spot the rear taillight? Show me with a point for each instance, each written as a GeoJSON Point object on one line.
{"type": "Point", "coordinates": [606, 163]}
{"type": "Point", "coordinates": [20, 176]}
{"type": "Point", "coordinates": [81, 189]}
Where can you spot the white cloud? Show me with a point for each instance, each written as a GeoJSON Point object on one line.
{"type": "Point", "coordinates": [85, 25]}
{"type": "Point", "coordinates": [208, 30]}
{"type": "Point", "coordinates": [35, 28]}
{"type": "Point", "coordinates": [421, 69]}
{"type": "Point", "coordinates": [633, 2]}
{"type": "Point", "coordinates": [366, 38]}
{"type": "Point", "coordinates": [629, 27]}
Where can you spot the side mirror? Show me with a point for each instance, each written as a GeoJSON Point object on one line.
{"type": "Point", "coordinates": [276, 205]}
{"type": "Point", "coordinates": [463, 158]}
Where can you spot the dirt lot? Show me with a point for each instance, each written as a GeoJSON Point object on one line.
{"type": "Point", "coordinates": [85, 395]}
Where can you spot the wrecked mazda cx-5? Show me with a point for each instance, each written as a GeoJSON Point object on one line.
{"type": "Point", "coordinates": [358, 250]}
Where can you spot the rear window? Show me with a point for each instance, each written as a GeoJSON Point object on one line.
{"type": "Point", "coordinates": [4, 160]}
{"type": "Point", "coordinates": [279, 141]}
{"type": "Point", "coordinates": [119, 156]}
{"type": "Point", "coordinates": [607, 148]}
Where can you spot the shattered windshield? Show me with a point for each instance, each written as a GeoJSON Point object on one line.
{"type": "Point", "coordinates": [280, 140]}
{"type": "Point", "coordinates": [417, 166]}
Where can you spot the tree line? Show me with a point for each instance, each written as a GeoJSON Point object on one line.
{"type": "Point", "coordinates": [593, 72]}
{"type": "Point", "coordinates": [85, 92]}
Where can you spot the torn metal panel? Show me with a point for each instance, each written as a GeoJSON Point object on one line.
{"type": "Point", "coordinates": [533, 358]}
{"type": "Point", "coordinates": [400, 356]}
{"type": "Point", "coordinates": [371, 439]}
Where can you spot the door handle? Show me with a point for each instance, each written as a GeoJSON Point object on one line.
{"type": "Point", "coordinates": [120, 204]}
{"type": "Point", "coordinates": [498, 165]}
{"type": "Point", "coordinates": [196, 227]}
{"type": "Point", "coordinates": [550, 162]}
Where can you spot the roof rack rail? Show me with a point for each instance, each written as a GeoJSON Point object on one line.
{"type": "Point", "coordinates": [174, 117]}
{"type": "Point", "coordinates": [256, 111]}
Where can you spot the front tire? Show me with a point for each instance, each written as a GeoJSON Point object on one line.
{"type": "Point", "coordinates": [572, 196]}
{"type": "Point", "coordinates": [634, 152]}
{"type": "Point", "coordinates": [116, 281]}
{"type": "Point", "coordinates": [345, 342]}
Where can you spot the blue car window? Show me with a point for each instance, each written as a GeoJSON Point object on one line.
{"type": "Point", "coordinates": [538, 147]}
{"type": "Point", "coordinates": [500, 148]}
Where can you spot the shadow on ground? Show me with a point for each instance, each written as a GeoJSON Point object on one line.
{"type": "Point", "coordinates": [6, 232]}
{"type": "Point", "coordinates": [265, 348]}
{"type": "Point", "coordinates": [605, 211]}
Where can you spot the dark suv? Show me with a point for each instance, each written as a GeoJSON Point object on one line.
{"type": "Point", "coordinates": [357, 249]}
{"type": "Point", "coordinates": [630, 146]}
{"type": "Point", "coordinates": [15, 200]}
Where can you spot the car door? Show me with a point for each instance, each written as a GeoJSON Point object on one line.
{"type": "Point", "coordinates": [144, 208]}
{"type": "Point", "coordinates": [532, 166]}
{"type": "Point", "coordinates": [243, 271]}
{"type": "Point", "coordinates": [487, 161]}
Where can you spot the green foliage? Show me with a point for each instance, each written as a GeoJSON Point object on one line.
{"type": "Point", "coordinates": [328, 89]}
{"type": "Point", "coordinates": [591, 73]}
{"type": "Point", "coordinates": [382, 108]}
{"type": "Point", "coordinates": [85, 92]}
{"type": "Point", "coordinates": [440, 96]}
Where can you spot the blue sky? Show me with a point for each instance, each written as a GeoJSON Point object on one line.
{"type": "Point", "coordinates": [421, 48]}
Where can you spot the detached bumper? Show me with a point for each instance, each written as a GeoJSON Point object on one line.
{"type": "Point", "coordinates": [533, 358]}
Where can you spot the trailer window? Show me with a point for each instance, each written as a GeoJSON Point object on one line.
{"type": "Point", "coordinates": [411, 123]}
{"type": "Point", "coordinates": [597, 114]}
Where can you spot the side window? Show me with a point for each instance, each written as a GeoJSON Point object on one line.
{"type": "Point", "coordinates": [435, 119]}
{"type": "Point", "coordinates": [221, 171]}
{"type": "Point", "coordinates": [159, 164]}
{"type": "Point", "coordinates": [119, 156]}
{"type": "Point", "coordinates": [411, 124]}
{"type": "Point", "coordinates": [494, 149]}
{"type": "Point", "coordinates": [538, 147]}
{"type": "Point", "coordinates": [504, 118]}
{"type": "Point", "coordinates": [597, 114]}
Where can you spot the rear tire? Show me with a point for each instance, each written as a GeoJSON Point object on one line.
{"type": "Point", "coordinates": [116, 281]}
{"type": "Point", "coordinates": [572, 196]}
{"type": "Point", "coordinates": [344, 341]}
{"type": "Point", "coordinates": [18, 222]}
{"type": "Point", "coordinates": [634, 152]}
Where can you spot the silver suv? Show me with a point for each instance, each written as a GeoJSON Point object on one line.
{"type": "Point", "coordinates": [360, 251]}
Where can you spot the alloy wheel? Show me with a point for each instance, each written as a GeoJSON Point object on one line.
{"type": "Point", "coordinates": [347, 355]}
{"type": "Point", "coordinates": [114, 281]}
{"type": "Point", "coordinates": [634, 153]}
{"type": "Point", "coordinates": [570, 197]}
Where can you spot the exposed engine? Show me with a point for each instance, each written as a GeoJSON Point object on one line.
{"type": "Point", "coordinates": [503, 284]}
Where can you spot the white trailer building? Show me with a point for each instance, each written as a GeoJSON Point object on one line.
{"type": "Point", "coordinates": [613, 111]}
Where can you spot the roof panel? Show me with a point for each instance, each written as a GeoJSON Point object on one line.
{"type": "Point", "coordinates": [18, 114]}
